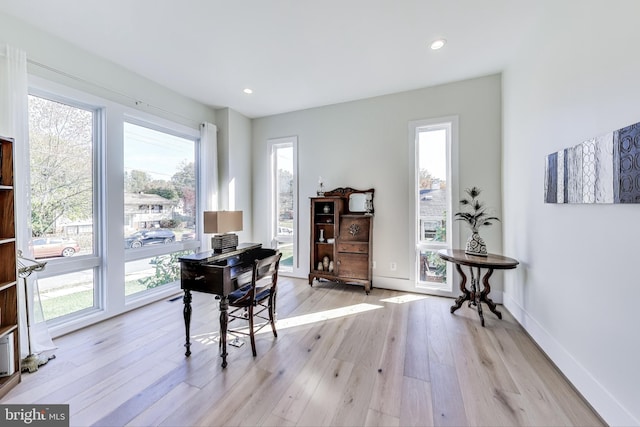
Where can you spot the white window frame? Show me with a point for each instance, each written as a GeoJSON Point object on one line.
{"type": "Point", "coordinates": [450, 123]}
{"type": "Point", "coordinates": [93, 261]}
{"type": "Point", "coordinates": [111, 205]}
{"type": "Point", "coordinates": [177, 246]}
{"type": "Point", "coordinates": [273, 144]}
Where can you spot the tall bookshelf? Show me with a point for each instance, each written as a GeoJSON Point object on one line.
{"type": "Point", "coordinates": [9, 332]}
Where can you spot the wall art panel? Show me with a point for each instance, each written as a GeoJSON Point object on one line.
{"type": "Point", "coordinates": [605, 169]}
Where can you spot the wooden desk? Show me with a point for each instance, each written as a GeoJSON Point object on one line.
{"type": "Point", "coordinates": [218, 274]}
{"type": "Point", "coordinates": [475, 296]}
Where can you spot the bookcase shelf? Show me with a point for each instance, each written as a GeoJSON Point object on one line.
{"type": "Point", "coordinates": [9, 332]}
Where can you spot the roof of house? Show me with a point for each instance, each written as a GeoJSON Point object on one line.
{"type": "Point", "coordinates": [146, 199]}
{"type": "Point", "coordinates": [433, 204]}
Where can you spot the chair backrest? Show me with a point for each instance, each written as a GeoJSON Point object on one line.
{"type": "Point", "coordinates": [264, 278]}
{"type": "Point", "coordinates": [266, 267]}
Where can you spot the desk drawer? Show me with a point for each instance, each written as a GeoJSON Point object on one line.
{"type": "Point", "coordinates": [206, 278]}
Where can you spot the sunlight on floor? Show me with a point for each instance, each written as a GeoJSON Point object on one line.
{"type": "Point", "coordinates": [325, 315]}
{"type": "Point", "coordinates": [210, 338]}
{"type": "Point", "coordinates": [401, 299]}
{"type": "Point", "coordinates": [290, 322]}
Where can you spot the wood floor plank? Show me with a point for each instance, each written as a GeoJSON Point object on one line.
{"type": "Point", "coordinates": [341, 358]}
{"type": "Point", "coordinates": [487, 354]}
{"type": "Point", "coordinates": [416, 403]}
{"type": "Point", "coordinates": [535, 392]}
{"type": "Point", "coordinates": [378, 419]}
{"type": "Point", "coordinates": [321, 343]}
{"type": "Point", "coordinates": [96, 402]}
{"type": "Point", "coordinates": [437, 316]}
{"type": "Point", "coordinates": [447, 400]}
{"type": "Point", "coordinates": [389, 378]}
{"type": "Point", "coordinates": [133, 407]}
{"type": "Point", "coordinates": [416, 364]}
{"type": "Point", "coordinates": [326, 396]}
{"type": "Point", "coordinates": [483, 401]}
{"type": "Point", "coordinates": [353, 408]}
{"type": "Point", "coordinates": [155, 413]}
{"type": "Point", "coordinates": [235, 401]}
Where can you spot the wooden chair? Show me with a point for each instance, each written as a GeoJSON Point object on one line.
{"type": "Point", "coordinates": [253, 299]}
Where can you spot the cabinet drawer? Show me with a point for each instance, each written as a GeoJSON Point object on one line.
{"type": "Point", "coordinates": [357, 247]}
{"type": "Point", "coordinates": [355, 266]}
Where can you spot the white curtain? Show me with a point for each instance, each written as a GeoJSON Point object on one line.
{"type": "Point", "coordinates": [14, 122]}
{"type": "Point", "coordinates": [209, 172]}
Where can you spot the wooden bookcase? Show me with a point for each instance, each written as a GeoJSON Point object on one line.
{"type": "Point", "coordinates": [341, 237]}
{"type": "Point", "coordinates": [8, 269]}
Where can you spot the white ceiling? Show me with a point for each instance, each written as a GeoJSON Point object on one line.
{"type": "Point", "coordinates": [294, 54]}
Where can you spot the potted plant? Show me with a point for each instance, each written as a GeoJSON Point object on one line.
{"type": "Point", "coordinates": [476, 216]}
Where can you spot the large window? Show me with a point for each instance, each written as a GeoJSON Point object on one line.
{"type": "Point", "coordinates": [159, 204]}
{"type": "Point", "coordinates": [63, 142]}
{"type": "Point", "coordinates": [108, 249]}
{"type": "Point", "coordinates": [433, 195]}
{"type": "Point", "coordinates": [284, 200]}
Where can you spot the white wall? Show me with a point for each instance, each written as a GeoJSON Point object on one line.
{"type": "Point", "coordinates": [576, 288]}
{"type": "Point", "coordinates": [364, 144]}
{"type": "Point", "coordinates": [84, 71]}
{"type": "Point", "coordinates": [234, 163]}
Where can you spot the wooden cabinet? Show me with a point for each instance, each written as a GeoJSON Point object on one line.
{"type": "Point", "coordinates": [9, 340]}
{"type": "Point", "coordinates": [341, 237]}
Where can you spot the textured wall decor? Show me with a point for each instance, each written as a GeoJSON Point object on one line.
{"type": "Point", "coordinates": [605, 169]}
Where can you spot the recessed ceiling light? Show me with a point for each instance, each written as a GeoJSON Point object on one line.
{"type": "Point", "coordinates": [438, 44]}
{"type": "Point", "coordinates": [248, 91]}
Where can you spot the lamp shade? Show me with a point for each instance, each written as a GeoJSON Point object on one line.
{"type": "Point", "coordinates": [222, 221]}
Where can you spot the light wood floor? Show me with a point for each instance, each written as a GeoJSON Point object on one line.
{"type": "Point", "coordinates": [341, 358]}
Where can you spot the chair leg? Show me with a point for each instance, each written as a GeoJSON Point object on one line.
{"type": "Point", "coordinates": [251, 333]}
{"type": "Point", "coordinates": [272, 312]}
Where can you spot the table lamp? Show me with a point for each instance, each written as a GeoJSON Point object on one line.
{"type": "Point", "coordinates": [222, 224]}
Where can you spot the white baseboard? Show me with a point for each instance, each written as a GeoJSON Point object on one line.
{"type": "Point", "coordinates": [611, 411]}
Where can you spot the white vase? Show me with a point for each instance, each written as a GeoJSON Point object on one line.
{"type": "Point", "coordinates": [475, 245]}
{"type": "Point", "coordinates": [321, 238]}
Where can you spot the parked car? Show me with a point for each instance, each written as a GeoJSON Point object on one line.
{"type": "Point", "coordinates": [47, 247]}
{"type": "Point", "coordinates": [149, 237]}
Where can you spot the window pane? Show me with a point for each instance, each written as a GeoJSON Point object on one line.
{"type": "Point", "coordinates": [432, 267]}
{"type": "Point", "coordinates": [160, 187]}
{"type": "Point", "coordinates": [62, 153]}
{"type": "Point", "coordinates": [284, 203]}
{"type": "Point", "coordinates": [66, 293]}
{"type": "Point", "coordinates": [433, 200]}
{"type": "Point", "coordinates": [61, 163]}
{"type": "Point", "coordinates": [150, 273]}
{"type": "Point", "coordinates": [433, 185]}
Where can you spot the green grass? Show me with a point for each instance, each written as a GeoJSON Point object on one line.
{"type": "Point", "coordinates": [70, 303]}
{"type": "Point", "coordinates": [66, 304]}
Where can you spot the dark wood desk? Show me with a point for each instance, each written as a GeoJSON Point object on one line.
{"type": "Point", "coordinates": [218, 274]}
{"type": "Point", "coordinates": [475, 296]}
